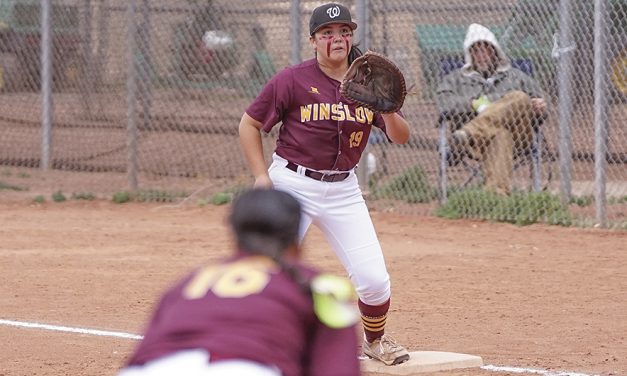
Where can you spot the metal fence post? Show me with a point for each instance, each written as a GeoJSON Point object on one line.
{"type": "Point", "coordinates": [104, 16]}
{"type": "Point", "coordinates": [564, 52]}
{"type": "Point", "coordinates": [131, 85]}
{"type": "Point", "coordinates": [361, 11]}
{"type": "Point", "coordinates": [600, 110]}
{"type": "Point", "coordinates": [144, 64]}
{"type": "Point", "coordinates": [442, 147]}
{"type": "Point", "coordinates": [295, 35]}
{"type": "Point", "coordinates": [86, 84]}
{"type": "Point", "coordinates": [46, 84]}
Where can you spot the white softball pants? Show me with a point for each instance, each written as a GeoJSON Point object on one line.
{"type": "Point", "coordinates": [195, 362]}
{"type": "Point", "coordinates": [340, 211]}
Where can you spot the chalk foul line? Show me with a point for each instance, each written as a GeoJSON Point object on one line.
{"type": "Point", "coordinates": [94, 332]}
{"type": "Point", "coordinates": [108, 333]}
{"type": "Point", "coordinates": [542, 372]}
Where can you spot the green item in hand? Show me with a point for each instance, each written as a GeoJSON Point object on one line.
{"type": "Point", "coordinates": [480, 104]}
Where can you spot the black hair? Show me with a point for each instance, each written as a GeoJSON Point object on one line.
{"type": "Point", "coordinates": [265, 221]}
{"type": "Point", "coordinates": [354, 53]}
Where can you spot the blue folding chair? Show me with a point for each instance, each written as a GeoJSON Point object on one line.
{"type": "Point", "coordinates": [534, 154]}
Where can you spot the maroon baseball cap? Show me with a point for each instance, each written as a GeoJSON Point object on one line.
{"type": "Point", "coordinates": [329, 14]}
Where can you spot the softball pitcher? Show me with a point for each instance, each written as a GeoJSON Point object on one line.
{"type": "Point", "coordinates": [321, 140]}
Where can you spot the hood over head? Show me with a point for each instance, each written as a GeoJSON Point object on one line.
{"type": "Point", "coordinates": [479, 33]}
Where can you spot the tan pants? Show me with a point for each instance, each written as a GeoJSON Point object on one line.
{"type": "Point", "coordinates": [504, 127]}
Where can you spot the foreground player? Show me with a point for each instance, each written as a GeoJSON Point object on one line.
{"type": "Point", "coordinates": [253, 314]}
{"type": "Point", "coordinates": [321, 139]}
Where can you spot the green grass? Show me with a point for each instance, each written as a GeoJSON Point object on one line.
{"type": "Point", "coordinates": [158, 196]}
{"type": "Point", "coordinates": [58, 196]}
{"type": "Point", "coordinates": [221, 198]}
{"type": "Point", "coordinates": [520, 208]}
{"type": "Point", "coordinates": [148, 196]}
{"type": "Point", "coordinates": [410, 186]}
{"type": "Point", "coordinates": [19, 174]}
{"type": "Point", "coordinates": [39, 199]}
{"type": "Point", "coordinates": [589, 200]}
{"type": "Point", "coordinates": [617, 200]}
{"type": "Point", "coordinates": [582, 201]}
{"type": "Point", "coordinates": [228, 195]}
{"type": "Point", "coordinates": [83, 196]}
{"type": "Point", "coordinates": [11, 187]}
{"type": "Point", "coordinates": [121, 197]}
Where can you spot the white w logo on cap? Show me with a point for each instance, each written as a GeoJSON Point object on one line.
{"type": "Point", "coordinates": [333, 11]}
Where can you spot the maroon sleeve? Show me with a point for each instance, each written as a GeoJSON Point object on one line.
{"type": "Point", "coordinates": [333, 352]}
{"type": "Point", "coordinates": [379, 123]}
{"type": "Point", "coordinates": [273, 100]}
{"type": "Point", "coordinates": [149, 335]}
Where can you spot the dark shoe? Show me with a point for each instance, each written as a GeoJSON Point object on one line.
{"type": "Point", "coordinates": [457, 147]}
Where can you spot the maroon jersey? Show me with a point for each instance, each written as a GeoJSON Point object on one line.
{"type": "Point", "coordinates": [320, 129]}
{"type": "Point", "coordinates": [247, 308]}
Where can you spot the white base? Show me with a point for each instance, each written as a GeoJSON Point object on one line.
{"type": "Point", "coordinates": [423, 361]}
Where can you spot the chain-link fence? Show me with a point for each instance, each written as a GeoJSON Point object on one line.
{"type": "Point", "coordinates": [147, 95]}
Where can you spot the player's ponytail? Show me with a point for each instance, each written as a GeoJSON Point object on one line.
{"type": "Point", "coordinates": [294, 274]}
{"type": "Point", "coordinates": [266, 222]}
{"type": "Point", "coordinates": [354, 53]}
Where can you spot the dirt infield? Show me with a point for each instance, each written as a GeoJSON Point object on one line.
{"type": "Point", "coordinates": [534, 297]}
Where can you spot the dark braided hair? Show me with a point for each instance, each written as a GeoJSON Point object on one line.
{"type": "Point", "coordinates": [354, 53]}
{"type": "Point", "coordinates": [266, 222]}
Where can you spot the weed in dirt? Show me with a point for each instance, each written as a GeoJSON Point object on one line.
{"type": "Point", "coordinates": [411, 186]}
{"type": "Point", "coordinates": [202, 202]}
{"type": "Point", "coordinates": [58, 196]}
{"type": "Point", "coordinates": [221, 198]}
{"type": "Point", "coordinates": [582, 201]}
{"type": "Point", "coordinates": [11, 187]}
{"type": "Point", "coordinates": [520, 208]}
{"type": "Point", "coordinates": [228, 195]}
{"type": "Point", "coordinates": [617, 200]}
{"type": "Point", "coordinates": [23, 175]}
{"type": "Point", "coordinates": [589, 200]}
{"type": "Point", "coordinates": [158, 196]}
{"type": "Point", "coordinates": [83, 196]}
{"type": "Point", "coordinates": [39, 199]}
{"type": "Point", "coordinates": [121, 197]}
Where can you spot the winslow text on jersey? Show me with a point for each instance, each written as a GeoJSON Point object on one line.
{"type": "Point", "coordinates": [335, 111]}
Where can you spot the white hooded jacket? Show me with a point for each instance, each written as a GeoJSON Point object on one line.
{"type": "Point", "coordinates": [457, 89]}
{"type": "Point", "coordinates": [479, 33]}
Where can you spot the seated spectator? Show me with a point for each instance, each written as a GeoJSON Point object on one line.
{"type": "Point", "coordinates": [494, 106]}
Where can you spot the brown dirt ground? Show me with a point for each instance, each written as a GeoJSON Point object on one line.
{"type": "Point", "coordinates": [531, 297]}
